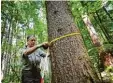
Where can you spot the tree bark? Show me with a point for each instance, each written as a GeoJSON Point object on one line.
{"type": "Point", "coordinates": [69, 58]}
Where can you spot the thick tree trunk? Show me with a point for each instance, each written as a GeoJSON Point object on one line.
{"type": "Point", "coordinates": [69, 58]}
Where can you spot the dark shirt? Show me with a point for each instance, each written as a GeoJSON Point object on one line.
{"type": "Point", "coordinates": [35, 56]}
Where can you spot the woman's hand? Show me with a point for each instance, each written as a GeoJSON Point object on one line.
{"type": "Point", "coordinates": [45, 45]}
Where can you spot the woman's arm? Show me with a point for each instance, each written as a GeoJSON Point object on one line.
{"type": "Point", "coordinates": [31, 50]}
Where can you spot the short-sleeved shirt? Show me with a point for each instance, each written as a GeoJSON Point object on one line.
{"type": "Point", "coordinates": [25, 58]}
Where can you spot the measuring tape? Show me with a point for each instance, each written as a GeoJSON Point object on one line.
{"type": "Point", "coordinates": [67, 35]}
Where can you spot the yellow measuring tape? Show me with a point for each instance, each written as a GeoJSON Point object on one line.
{"type": "Point", "coordinates": [67, 35]}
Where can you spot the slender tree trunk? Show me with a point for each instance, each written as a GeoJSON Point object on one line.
{"type": "Point", "coordinates": [107, 13]}
{"type": "Point", "coordinates": [103, 27]}
{"type": "Point", "coordinates": [70, 61]}
{"type": "Point", "coordinates": [91, 30]}
{"type": "Point", "coordinates": [100, 30]}
{"type": "Point", "coordinates": [7, 57]}
{"type": "Point", "coordinates": [90, 27]}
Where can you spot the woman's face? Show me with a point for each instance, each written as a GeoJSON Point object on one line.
{"type": "Point", "coordinates": [31, 42]}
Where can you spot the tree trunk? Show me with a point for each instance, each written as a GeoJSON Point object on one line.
{"type": "Point", "coordinates": [103, 27]}
{"type": "Point", "coordinates": [69, 58]}
{"type": "Point", "coordinates": [91, 30]}
{"type": "Point", "coordinates": [107, 13]}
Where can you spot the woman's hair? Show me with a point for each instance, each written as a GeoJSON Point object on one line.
{"type": "Point", "coordinates": [30, 36]}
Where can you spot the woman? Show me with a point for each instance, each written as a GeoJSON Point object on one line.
{"type": "Point", "coordinates": [31, 56]}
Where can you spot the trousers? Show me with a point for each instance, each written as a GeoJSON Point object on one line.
{"type": "Point", "coordinates": [31, 76]}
